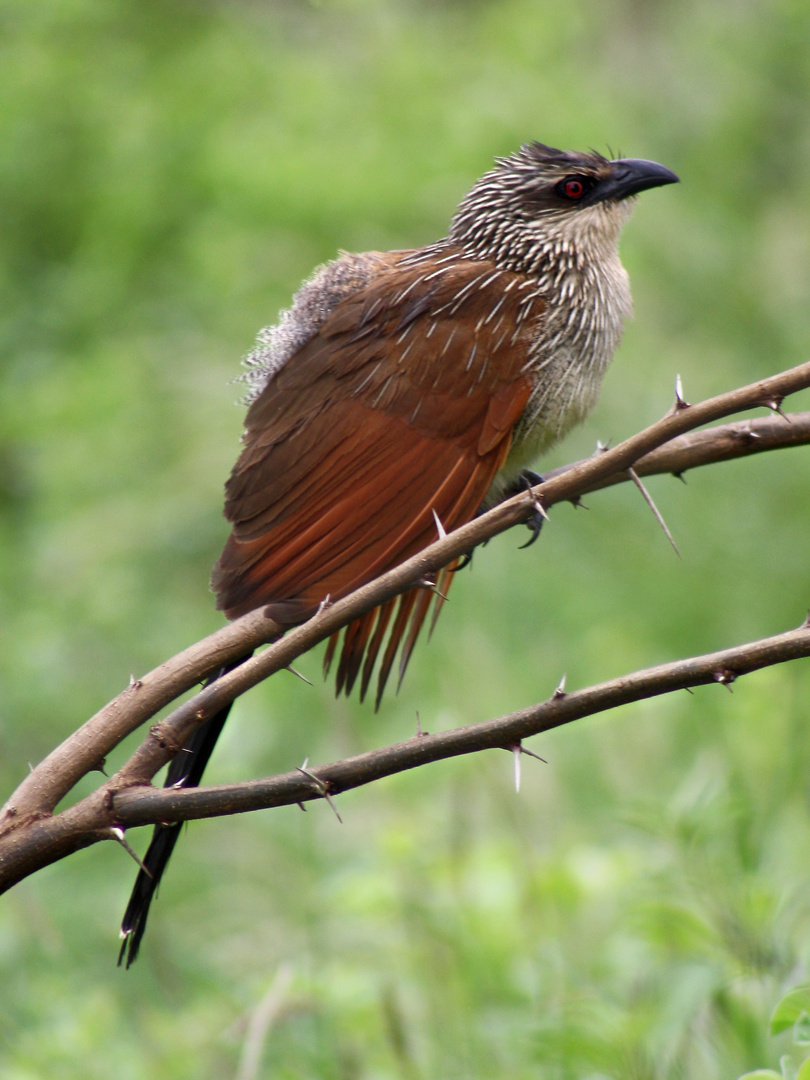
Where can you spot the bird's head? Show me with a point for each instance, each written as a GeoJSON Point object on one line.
{"type": "Point", "coordinates": [539, 202]}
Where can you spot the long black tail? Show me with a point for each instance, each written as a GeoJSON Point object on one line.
{"type": "Point", "coordinates": [185, 770]}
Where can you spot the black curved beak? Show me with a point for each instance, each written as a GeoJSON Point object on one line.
{"type": "Point", "coordinates": [632, 175]}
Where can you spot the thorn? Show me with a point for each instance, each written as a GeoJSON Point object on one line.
{"type": "Point", "coordinates": [806, 624]}
{"type": "Point", "coordinates": [745, 432]}
{"type": "Point", "coordinates": [679, 476]}
{"type": "Point", "coordinates": [648, 499]}
{"type": "Point", "coordinates": [680, 401]}
{"type": "Point", "coordinates": [324, 604]}
{"type": "Point", "coordinates": [578, 504]}
{"type": "Point", "coordinates": [518, 749]}
{"type": "Point", "coordinates": [426, 583]}
{"type": "Point", "coordinates": [439, 527]}
{"type": "Point", "coordinates": [117, 834]}
{"type": "Point", "coordinates": [135, 684]}
{"type": "Point", "coordinates": [689, 690]}
{"type": "Point", "coordinates": [531, 753]}
{"type": "Point", "coordinates": [289, 667]}
{"type": "Point", "coordinates": [601, 447]}
{"type": "Point", "coordinates": [560, 691]}
{"type": "Point", "coordinates": [322, 788]}
{"type": "Point", "coordinates": [540, 509]}
{"type": "Point", "coordinates": [301, 806]}
{"type": "Point", "coordinates": [316, 780]}
{"type": "Point", "coordinates": [725, 678]}
{"type": "Point", "coordinates": [419, 732]}
{"type": "Point", "coordinates": [775, 405]}
{"type": "Point", "coordinates": [329, 799]}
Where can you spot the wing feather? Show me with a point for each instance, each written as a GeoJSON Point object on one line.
{"type": "Point", "coordinates": [402, 403]}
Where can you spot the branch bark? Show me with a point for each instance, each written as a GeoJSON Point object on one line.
{"type": "Point", "coordinates": [138, 806]}
{"type": "Point", "coordinates": [31, 835]}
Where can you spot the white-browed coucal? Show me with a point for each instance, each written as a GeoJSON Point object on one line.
{"type": "Point", "coordinates": [410, 385]}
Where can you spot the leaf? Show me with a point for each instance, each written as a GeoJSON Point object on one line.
{"type": "Point", "coordinates": [789, 1010]}
{"type": "Point", "coordinates": [801, 1030]}
{"type": "Point", "coordinates": [762, 1074]}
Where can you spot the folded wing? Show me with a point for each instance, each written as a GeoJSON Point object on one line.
{"type": "Point", "coordinates": [402, 404]}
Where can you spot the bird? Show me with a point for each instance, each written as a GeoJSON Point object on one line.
{"type": "Point", "coordinates": [411, 387]}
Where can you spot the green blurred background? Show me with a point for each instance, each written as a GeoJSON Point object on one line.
{"type": "Point", "coordinates": [169, 172]}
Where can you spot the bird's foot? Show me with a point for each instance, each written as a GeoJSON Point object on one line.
{"type": "Point", "coordinates": [525, 481]}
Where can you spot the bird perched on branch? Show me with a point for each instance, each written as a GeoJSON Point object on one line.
{"type": "Point", "coordinates": [407, 386]}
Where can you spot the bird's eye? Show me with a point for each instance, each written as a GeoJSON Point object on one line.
{"type": "Point", "coordinates": [573, 187]}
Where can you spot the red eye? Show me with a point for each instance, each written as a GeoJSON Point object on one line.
{"type": "Point", "coordinates": [574, 189]}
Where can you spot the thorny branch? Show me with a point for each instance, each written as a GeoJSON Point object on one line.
{"type": "Point", "coordinates": [32, 835]}
{"type": "Point", "coordinates": [142, 805]}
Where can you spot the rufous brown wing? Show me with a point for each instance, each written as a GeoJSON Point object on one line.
{"type": "Point", "coordinates": [400, 406]}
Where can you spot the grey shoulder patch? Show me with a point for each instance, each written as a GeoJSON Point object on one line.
{"type": "Point", "coordinates": [317, 297]}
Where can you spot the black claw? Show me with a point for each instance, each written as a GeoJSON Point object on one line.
{"type": "Point", "coordinates": [535, 523]}
{"type": "Point", "coordinates": [464, 560]}
{"type": "Point", "coordinates": [531, 478]}
{"type": "Point", "coordinates": [525, 481]}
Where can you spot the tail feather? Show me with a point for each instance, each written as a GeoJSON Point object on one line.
{"type": "Point", "coordinates": [185, 770]}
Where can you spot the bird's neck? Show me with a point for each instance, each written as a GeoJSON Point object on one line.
{"type": "Point", "coordinates": [572, 349]}
{"type": "Point", "coordinates": [579, 273]}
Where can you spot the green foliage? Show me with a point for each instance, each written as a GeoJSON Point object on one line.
{"type": "Point", "coordinates": [170, 172]}
{"type": "Point", "coordinates": [790, 1012]}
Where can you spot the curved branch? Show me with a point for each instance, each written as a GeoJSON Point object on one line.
{"type": "Point", "coordinates": [84, 751]}
{"type": "Point", "coordinates": [139, 806]}
{"type": "Point", "coordinates": [102, 815]}
{"type": "Point", "coordinates": [726, 442]}
{"type": "Point", "coordinates": [606, 467]}
{"type": "Point", "coordinates": [30, 837]}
